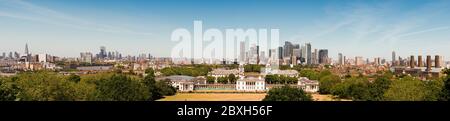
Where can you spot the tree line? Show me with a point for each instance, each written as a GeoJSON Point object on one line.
{"type": "Point", "coordinates": [383, 87]}
{"type": "Point", "coordinates": [50, 86]}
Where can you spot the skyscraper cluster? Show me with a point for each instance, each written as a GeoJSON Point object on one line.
{"type": "Point", "coordinates": [286, 54]}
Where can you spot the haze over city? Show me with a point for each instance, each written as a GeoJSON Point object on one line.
{"type": "Point", "coordinates": [354, 28]}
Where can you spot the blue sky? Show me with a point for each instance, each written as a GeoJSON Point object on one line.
{"type": "Point", "coordinates": [368, 28]}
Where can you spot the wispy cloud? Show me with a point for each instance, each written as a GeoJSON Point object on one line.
{"type": "Point", "coordinates": [382, 22]}
{"type": "Point", "coordinates": [19, 9]}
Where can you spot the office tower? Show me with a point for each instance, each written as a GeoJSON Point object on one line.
{"type": "Point", "coordinates": [42, 58]}
{"type": "Point", "coordinates": [302, 54]}
{"type": "Point", "coordinates": [294, 60]}
{"type": "Point", "coordinates": [242, 51]}
{"type": "Point", "coordinates": [393, 58]}
{"type": "Point", "coordinates": [26, 49]}
{"type": "Point", "coordinates": [10, 55]}
{"type": "Point", "coordinates": [428, 63]}
{"type": "Point", "coordinates": [262, 56]}
{"type": "Point", "coordinates": [288, 47]}
{"type": "Point", "coordinates": [257, 55]}
{"type": "Point", "coordinates": [86, 57]}
{"type": "Point", "coordinates": [280, 53]}
{"type": "Point", "coordinates": [4, 55]}
{"type": "Point", "coordinates": [359, 60]}
{"type": "Point", "coordinates": [345, 60]}
{"type": "Point", "coordinates": [102, 53]}
{"type": "Point", "coordinates": [308, 54]}
{"type": "Point", "coordinates": [296, 52]}
{"type": "Point", "coordinates": [273, 54]}
{"type": "Point", "coordinates": [323, 56]}
{"type": "Point", "coordinates": [419, 61]}
{"type": "Point", "coordinates": [437, 61]}
{"type": "Point", "coordinates": [412, 63]}
{"type": "Point", "coordinates": [340, 59]}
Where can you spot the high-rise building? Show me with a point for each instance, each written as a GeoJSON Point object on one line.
{"type": "Point", "coordinates": [257, 55]}
{"type": "Point", "coordinates": [340, 59]}
{"type": "Point", "coordinates": [345, 60]}
{"type": "Point", "coordinates": [359, 60]}
{"type": "Point", "coordinates": [10, 55]}
{"type": "Point", "coordinates": [86, 57]}
{"type": "Point", "coordinates": [393, 58]}
{"type": "Point", "coordinates": [242, 51]}
{"type": "Point", "coordinates": [296, 52]}
{"type": "Point", "coordinates": [412, 62]}
{"type": "Point", "coordinates": [26, 49]}
{"type": "Point", "coordinates": [102, 53]}
{"type": "Point", "coordinates": [308, 54]}
{"type": "Point", "coordinates": [280, 53]}
{"type": "Point", "coordinates": [323, 56]}
{"type": "Point", "coordinates": [303, 54]}
{"type": "Point", "coordinates": [428, 63]}
{"type": "Point", "coordinates": [42, 58]}
{"type": "Point", "coordinates": [288, 47]}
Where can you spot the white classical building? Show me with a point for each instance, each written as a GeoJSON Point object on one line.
{"type": "Point", "coordinates": [307, 85]}
{"type": "Point", "coordinates": [270, 71]}
{"type": "Point", "coordinates": [251, 84]}
{"type": "Point", "coordinates": [184, 83]}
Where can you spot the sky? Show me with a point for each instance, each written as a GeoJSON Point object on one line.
{"type": "Point", "coordinates": [368, 28]}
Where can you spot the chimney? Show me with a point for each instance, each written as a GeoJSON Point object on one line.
{"type": "Point", "coordinates": [412, 62]}
{"type": "Point", "coordinates": [428, 63]}
{"type": "Point", "coordinates": [437, 61]}
{"type": "Point", "coordinates": [420, 63]}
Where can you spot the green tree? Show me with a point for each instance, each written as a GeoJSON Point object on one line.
{"type": "Point", "coordinates": [232, 78]}
{"type": "Point", "coordinates": [287, 93]}
{"type": "Point", "coordinates": [406, 89]}
{"type": "Point", "coordinates": [119, 87]}
{"type": "Point", "coordinates": [45, 86]}
{"type": "Point", "coordinates": [165, 88]}
{"type": "Point", "coordinates": [311, 74]}
{"type": "Point", "coordinates": [445, 93]}
{"type": "Point", "coordinates": [8, 90]}
{"type": "Point", "coordinates": [74, 78]}
{"type": "Point", "coordinates": [210, 80]}
{"type": "Point", "coordinates": [378, 88]}
{"type": "Point", "coordinates": [150, 83]}
{"type": "Point", "coordinates": [327, 83]}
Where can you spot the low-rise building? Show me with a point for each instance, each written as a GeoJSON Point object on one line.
{"type": "Point", "coordinates": [251, 84]}
{"type": "Point", "coordinates": [307, 85]}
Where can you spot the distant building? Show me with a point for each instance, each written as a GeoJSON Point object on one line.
{"type": "Point", "coordinates": [251, 84]}
{"type": "Point", "coordinates": [86, 57]}
{"type": "Point", "coordinates": [308, 54]}
{"type": "Point", "coordinates": [95, 68]}
{"type": "Point", "coordinates": [323, 56]}
{"type": "Point", "coordinates": [223, 73]}
{"type": "Point", "coordinates": [42, 58]}
{"type": "Point", "coordinates": [359, 61]}
{"type": "Point", "coordinates": [307, 85]}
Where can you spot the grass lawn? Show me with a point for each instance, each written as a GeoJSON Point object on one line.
{"type": "Point", "coordinates": [215, 97]}
{"type": "Point", "coordinates": [232, 97]}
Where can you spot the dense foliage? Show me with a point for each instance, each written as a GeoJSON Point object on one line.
{"type": "Point", "coordinates": [287, 93]}
{"type": "Point", "coordinates": [50, 86]}
{"type": "Point", "coordinates": [280, 79]}
{"type": "Point", "coordinates": [189, 71]}
{"type": "Point", "coordinates": [252, 68]}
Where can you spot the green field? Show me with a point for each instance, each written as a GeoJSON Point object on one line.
{"type": "Point", "coordinates": [230, 97]}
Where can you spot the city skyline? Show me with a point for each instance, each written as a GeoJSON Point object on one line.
{"type": "Point", "coordinates": [353, 28]}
